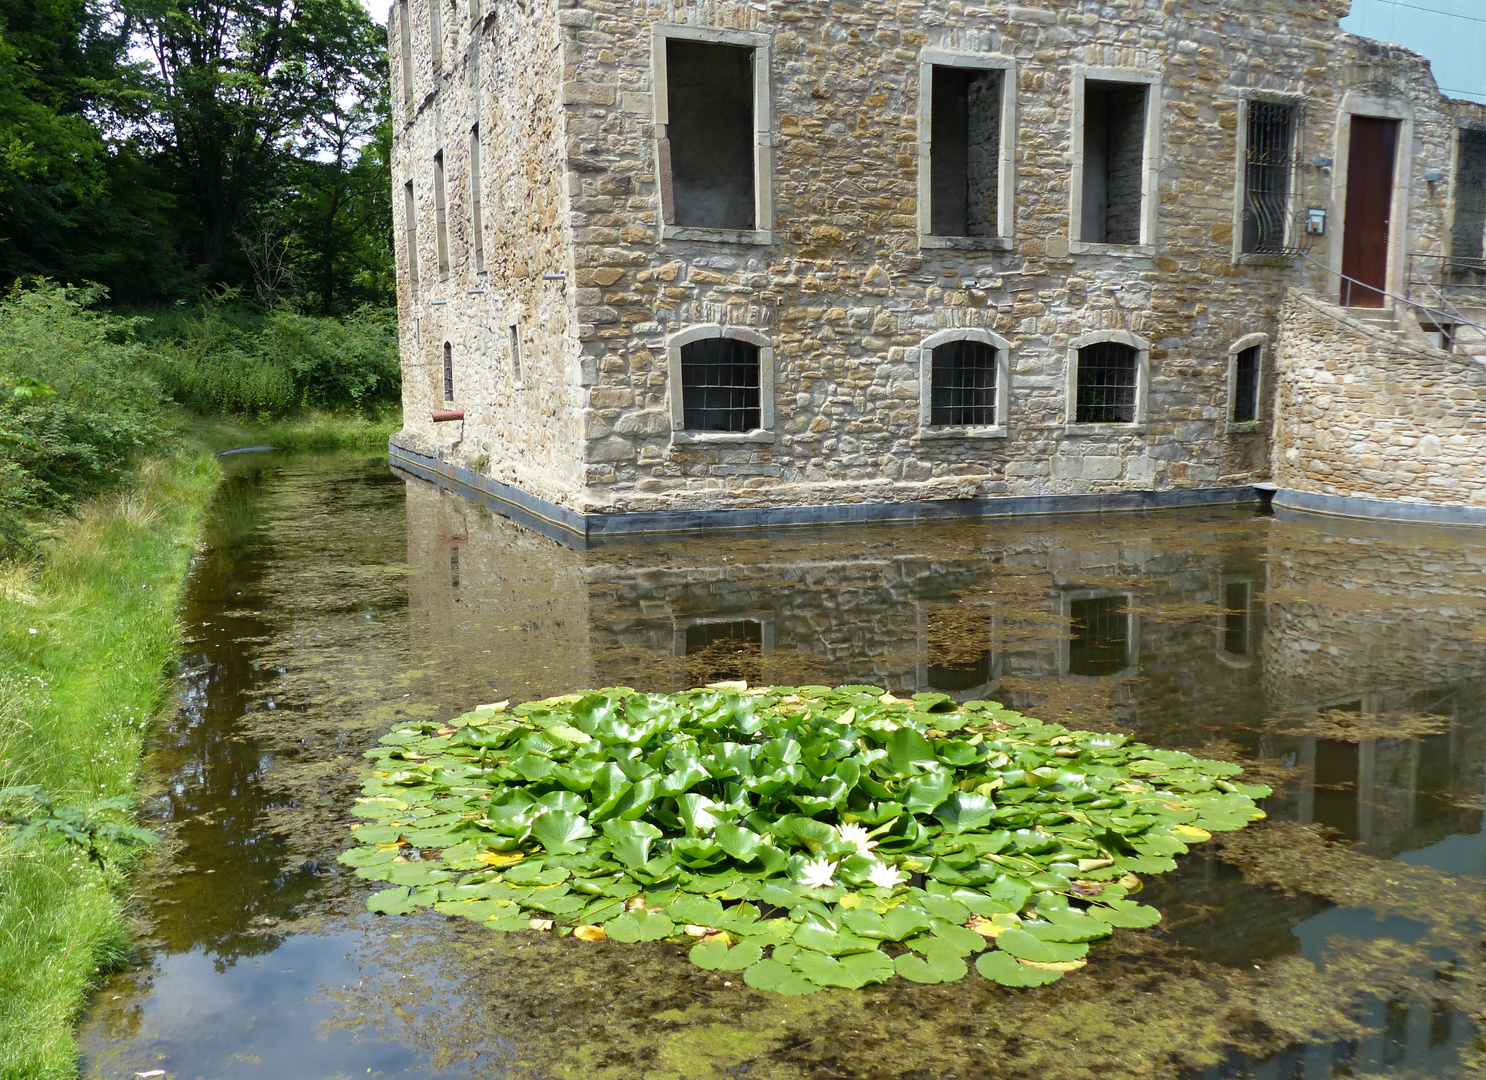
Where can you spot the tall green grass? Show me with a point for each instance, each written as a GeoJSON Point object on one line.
{"type": "Point", "coordinates": [77, 696]}
{"type": "Point", "coordinates": [221, 360]}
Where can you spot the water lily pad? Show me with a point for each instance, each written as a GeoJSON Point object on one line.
{"type": "Point", "coordinates": [936, 967]}
{"type": "Point", "coordinates": [776, 978]}
{"type": "Point", "coordinates": [1005, 969]}
{"type": "Point", "coordinates": [1025, 946]}
{"type": "Point", "coordinates": [640, 925]}
{"type": "Point", "coordinates": [558, 814]}
{"type": "Point", "coordinates": [391, 902]}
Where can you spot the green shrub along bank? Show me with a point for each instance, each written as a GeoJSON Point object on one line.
{"type": "Point", "coordinates": [87, 636]}
{"type": "Point", "coordinates": [77, 402]}
{"type": "Point", "coordinates": [222, 359]}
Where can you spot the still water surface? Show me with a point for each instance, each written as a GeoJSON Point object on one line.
{"type": "Point", "coordinates": [331, 599]}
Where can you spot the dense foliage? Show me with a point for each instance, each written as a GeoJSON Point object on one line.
{"type": "Point", "coordinates": [225, 360]}
{"type": "Point", "coordinates": [166, 149]}
{"type": "Point", "coordinates": [807, 837]}
{"type": "Point", "coordinates": [76, 401]}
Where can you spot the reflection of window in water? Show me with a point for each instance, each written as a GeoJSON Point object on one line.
{"type": "Point", "coordinates": [1236, 618]}
{"type": "Point", "coordinates": [1101, 636]}
{"type": "Point", "coordinates": [959, 651]}
{"type": "Point", "coordinates": [1336, 786]}
{"type": "Point", "coordinates": [724, 652]}
{"type": "Point", "coordinates": [453, 568]}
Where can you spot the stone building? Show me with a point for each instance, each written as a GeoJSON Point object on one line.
{"type": "Point", "coordinates": [749, 262]}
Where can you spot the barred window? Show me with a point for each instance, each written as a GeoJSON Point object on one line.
{"type": "Point", "coordinates": [1268, 161]}
{"type": "Point", "coordinates": [1107, 373]}
{"type": "Point", "coordinates": [1246, 385]}
{"type": "Point", "coordinates": [720, 385]}
{"type": "Point", "coordinates": [963, 387]}
{"type": "Point", "coordinates": [448, 372]}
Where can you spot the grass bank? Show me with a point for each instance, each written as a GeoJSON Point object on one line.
{"type": "Point", "coordinates": [309, 430]}
{"type": "Point", "coordinates": [88, 633]}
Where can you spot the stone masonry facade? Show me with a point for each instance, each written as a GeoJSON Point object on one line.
{"type": "Point", "coordinates": [548, 291]}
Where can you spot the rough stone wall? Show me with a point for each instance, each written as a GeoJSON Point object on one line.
{"type": "Point", "coordinates": [843, 289]}
{"type": "Point", "coordinates": [501, 70]}
{"type": "Point", "coordinates": [846, 294]}
{"type": "Point", "coordinates": [1371, 413]}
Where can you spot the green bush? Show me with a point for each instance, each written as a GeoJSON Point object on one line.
{"type": "Point", "coordinates": [223, 360]}
{"type": "Point", "coordinates": [77, 400]}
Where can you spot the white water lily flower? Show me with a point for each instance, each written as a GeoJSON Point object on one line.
{"type": "Point", "coordinates": [856, 834]}
{"type": "Point", "coordinates": [818, 874]}
{"type": "Point", "coordinates": [886, 876]}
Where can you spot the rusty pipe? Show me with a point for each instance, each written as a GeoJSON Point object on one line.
{"type": "Point", "coordinates": [443, 416]}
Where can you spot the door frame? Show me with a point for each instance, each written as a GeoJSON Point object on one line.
{"type": "Point", "coordinates": [1360, 103]}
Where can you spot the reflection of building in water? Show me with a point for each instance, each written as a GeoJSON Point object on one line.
{"type": "Point", "coordinates": [1185, 633]}
{"type": "Point", "coordinates": [1369, 637]}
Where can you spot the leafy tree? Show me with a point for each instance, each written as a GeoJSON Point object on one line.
{"type": "Point", "coordinates": [244, 91]}
{"type": "Point", "coordinates": [73, 203]}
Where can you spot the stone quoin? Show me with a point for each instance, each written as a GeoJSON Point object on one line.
{"type": "Point", "coordinates": [753, 263]}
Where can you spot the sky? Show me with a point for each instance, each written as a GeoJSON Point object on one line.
{"type": "Point", "coordinates": [1451, 33]}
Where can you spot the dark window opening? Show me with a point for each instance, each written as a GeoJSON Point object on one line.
{"type": "Point", "coordinates": [709, 94]}
{"type": "Point", "coordinates": [963, 385]}
{"type": "Point", "coordinates": [477, 227]}
{"type": "Point", "coordinates": [448, 372]}
{"type": "Point", "coordinates": [1236, 618]}
{"type": "Point", "coordinates": [964, 151]}
{"type": "Point", "coordinates": [405, 42]}
{"type": "Point", "coordinates": [1468, 237]}
{"type": "Point", "coordinates": [725, 652]}
{"type": "Point", "coordinates": [440, 212]}
{"type": "Point", "coordinates": [410, 231]}
{"type": "Point", "coordinates": [515, 353]}
{"type": "Point", "coordinates": [1107, 371]}
{"type": "Point", "coordinates": [1114, 162]}
{"type": "Point", "coordinates": [453, 568]}
{"type": "Point", "coordinates": [1268, 161]}
{"type": "Point", "coordinates": [1440, 335]}
{"type": "Point", "coordinates": [1246, 385]}
{"type": "Point", "coordinates": [1101, 636]}
{"type": "Point", "coordinates": [720, 385]}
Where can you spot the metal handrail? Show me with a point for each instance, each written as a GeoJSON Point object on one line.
{"type": "Point", "coordinates": [1434, 313]}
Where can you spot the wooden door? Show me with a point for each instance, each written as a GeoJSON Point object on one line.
{"type": "Point", "coordinates": [1370, 166]}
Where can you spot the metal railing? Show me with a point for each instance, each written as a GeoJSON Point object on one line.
{"type": "Point", "coordinates": [1445, 315]}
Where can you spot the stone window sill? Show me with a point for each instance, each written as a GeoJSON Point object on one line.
{"type": "Point", "coordinates": [965, 243]}
{"type": "Point", "coordinates": [943, 433]}
{"type": "Point", "coordinates": [717, 236]}
{"type": "Point", "coordinates": [1103, 429]}
{"type": "Point", "coordinates": [720, 438]}
{"type": "Point", "coordinates": [1264, 258]}
{"type": "Point", "coordinates": [1245, 428]}
{"type": "Point", "coordinates": [1119, 251]}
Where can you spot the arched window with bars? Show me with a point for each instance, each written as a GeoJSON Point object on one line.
{"type": "Point", "coordinates": [963, 383]}
{"type": "Point", "coordinates": [1108, 373]}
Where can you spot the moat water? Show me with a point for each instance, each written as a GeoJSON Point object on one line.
{"type": "Point", "coordinates": [331, 599]}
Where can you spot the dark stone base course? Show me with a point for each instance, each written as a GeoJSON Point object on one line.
{"type": "Point", "coordinates": [575, 530]}
{"type": "Point", "coordinates": [1288, 501]}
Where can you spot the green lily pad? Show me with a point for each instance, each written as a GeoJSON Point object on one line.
{"type": "Point", "coordinates": [708, 797]}
{"type": "Point", "coordinates": [937, 967]}
{"type": "Point", "coordinates": [1025, 946]}
{"type": "Point", "coordinates": [776, 978]}
{"type": "Point", "coordinates": [642, 925]}
{"type": "Point", "coordinates": [1004, 968]}
{"type": "Point", "coordinates": [391, 902]}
